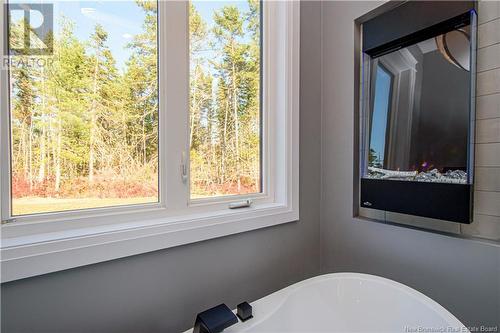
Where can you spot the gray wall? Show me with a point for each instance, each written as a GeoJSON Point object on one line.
{"type": "Point", "coordinates": [487, 172]}
{"type": "Point", "coordinates": [162, 291]}
{"type": "Point", "coordinates": [462, 275]}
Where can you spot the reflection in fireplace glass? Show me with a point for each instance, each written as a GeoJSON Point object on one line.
{"type": "Point", "coordinates": [418, 119]}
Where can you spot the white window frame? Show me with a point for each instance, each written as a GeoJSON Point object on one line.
{"type": "Point", "coordinates": [44, 243]}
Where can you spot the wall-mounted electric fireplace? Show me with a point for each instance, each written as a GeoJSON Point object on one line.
{"type": "Point", "coordinates": [418, 83]}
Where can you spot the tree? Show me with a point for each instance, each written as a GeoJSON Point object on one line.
{"type": "Point", "coordinates": [82, 127]}
{"type": "Point", "coordinates": [67, 85]}
{"type": "Point", "coordinates": [23, 106]}
{"type": "Point", "coordinates": [238, 94]}
{"type": "Point", "coordinates": [104, 91]}
{"type": "Point", "coordinates": [142, 80]}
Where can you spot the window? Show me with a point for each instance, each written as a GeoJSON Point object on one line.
{"type": "Point", "coordinates": [225, 68]}
{"type": "Point", "coordinates": [137, 128]}
{"type": "Point", "coordinates": [380, 116]}
{"type": "Point", "coordinates": [84, 119]}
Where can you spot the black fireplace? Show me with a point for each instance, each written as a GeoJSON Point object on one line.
{"type": "Point", "coordinates": [417, 93]}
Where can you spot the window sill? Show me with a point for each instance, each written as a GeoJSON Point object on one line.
{"type": "Point", "coordinates": [28, 256]}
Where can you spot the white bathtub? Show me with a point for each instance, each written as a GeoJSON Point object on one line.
{"type": "Point", "coordinates": [348, 302]}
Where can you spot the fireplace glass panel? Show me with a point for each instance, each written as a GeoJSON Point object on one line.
{"type": "Point", "coordinates": [417, 111]}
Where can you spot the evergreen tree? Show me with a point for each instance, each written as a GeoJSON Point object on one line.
{"type": "Point", "coordinates": [82, 127]}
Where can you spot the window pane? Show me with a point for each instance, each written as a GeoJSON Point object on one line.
{"type": "Point", "coordinates": [380, 116]}
{"type": "Point", "coordinates": [84, 115]}
{"type": "Point", "coordinates": [225, 110]}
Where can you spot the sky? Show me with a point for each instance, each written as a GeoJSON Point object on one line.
{"type": "Point", "coordinates": [121, 19]}
{"type": "Point", "coordinates": [380, 113]}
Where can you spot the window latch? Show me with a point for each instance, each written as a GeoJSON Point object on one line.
{"type": "Point", "coordinates": [184, 168]}
{"type": "Point", "coordinates": [240, 204]}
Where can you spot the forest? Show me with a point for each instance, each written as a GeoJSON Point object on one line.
{"type": "Point", "coordinates": [85, 132]}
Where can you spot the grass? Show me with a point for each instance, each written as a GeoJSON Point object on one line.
{"type": "Point", "coordinates": [34, 205]}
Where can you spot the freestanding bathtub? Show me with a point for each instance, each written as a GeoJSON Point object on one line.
{"type": "Point", "coordinates": [348, 302]}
